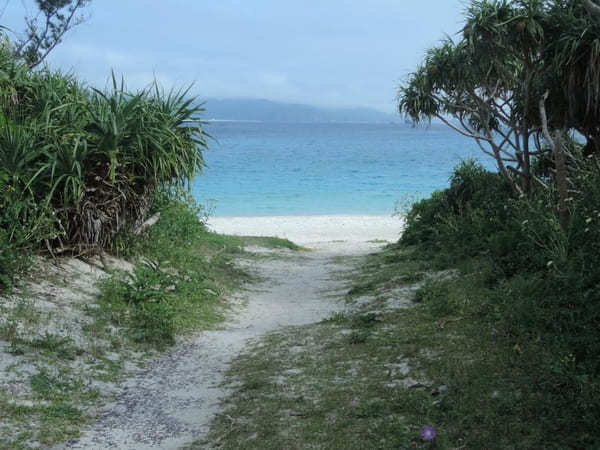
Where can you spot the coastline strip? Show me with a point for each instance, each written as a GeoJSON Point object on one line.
{"type": "Point", "coordinates": [313, 229]}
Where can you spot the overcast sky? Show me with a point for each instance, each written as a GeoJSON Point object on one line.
{"type": "Point", "coordinates": [321, 52]}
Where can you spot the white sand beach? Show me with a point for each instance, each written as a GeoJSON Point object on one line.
{"type": "Point", "coordinates": [307, 230]}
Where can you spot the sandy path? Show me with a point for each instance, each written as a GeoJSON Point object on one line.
{"type": "Point", "coordinates": [172, 401]}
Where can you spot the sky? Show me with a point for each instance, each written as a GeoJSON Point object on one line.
{"type": "Point", "coordinates": [333, 53]}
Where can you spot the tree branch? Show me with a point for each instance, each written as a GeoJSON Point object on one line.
{"type": "Point", "coordinates": [562, 171]}
{"type": "Point", "coordinates": [592, 7]}
{"type": "Point", "coordinates": [39, 42]}
{"type": "Point", "coordinates": [455, 128]}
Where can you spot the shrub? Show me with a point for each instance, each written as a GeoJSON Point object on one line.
{"type": "Point", "coordinates": [94, 159]}
{"type": "Point", "coordinates": [23, 226]}
{"type": "Point", "coordinates": [537, 287]}
{"type": "Point", "coordinates": [423, 220]}
{"type": "Point", "coordinates": [463, 220]}
{"type": "Point", "coordinates": [142, 303]}
{"type": "Point", "coordinates": [147, 284]}
{"type": "Point", "coordinates": [181, 216]}
{"type": "Point", "coordinates": [153, 323]}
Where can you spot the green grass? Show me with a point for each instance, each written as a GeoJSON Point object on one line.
{"type": "Point", "coordinates": [269, 242]}
{"type": "Point", "coordinates": [373, 376]}
{"type": "Point", "coordinates": [330, 385]}
{"type": "Point", "coordinates": [55, 422]}
{"type": "Point", "coordinates": [181, 281]}
{"type": "Point", "coordinates": [51, 414]}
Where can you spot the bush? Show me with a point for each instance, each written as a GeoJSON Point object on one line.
{"type": "Point", "coordinates": [142, 303]}
{"type": "Point", "coordinates": [470, 218]}
{"type": "Point", "coordinates": [539, 287]}
{"type": "Point", "coordinates": [23, 226]}
{"type": "Point", "coordinates": [91, 159]}
{"type": "Point", "coordinates": [153, 323]}
{"type": "Point", "coordinates": [424, 219]}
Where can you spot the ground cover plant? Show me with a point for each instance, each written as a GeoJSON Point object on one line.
{"type": "Point", "coordinates": [479, 325]}
{"type": "Point", "coordinates": [180, 279]}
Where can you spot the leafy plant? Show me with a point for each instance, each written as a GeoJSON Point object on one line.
{"type": "Point", "coordinates": [153, 323]}
{"type": "Point", "coordinates": [148, 283]}
{"type": "Point", "coordinates": [90, 160]}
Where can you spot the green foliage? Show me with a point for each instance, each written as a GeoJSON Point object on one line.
{"type": "Point", "coordinates": [182, 218]}
{"type": "Point", "coordinates": [79, 166]}
{"type": "Point", "coordinates": [470, 218]}
{"type": "Point", "coordinates": [147, 284]}
{"type": "Point", "coordinates": [8, 256]}
{"type": "Point", "coordinates": [178, 284]}
{"type": "Point", "coordinates": [528, 292]}
{"type": "Point", "coordinates": [142, 303]}
{"type": "Point", "coordinates": [423, 217]}
{"type": "Point", "coordinates": [513, 61]}
{"type": "Point", "coordinates": [153, 323]}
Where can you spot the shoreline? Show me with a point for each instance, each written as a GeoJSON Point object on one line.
{"type": "Point", "coordinates": [312, 229]}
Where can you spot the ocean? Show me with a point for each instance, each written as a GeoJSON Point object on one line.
{"type": "Point", "coordinates": [270, 169]}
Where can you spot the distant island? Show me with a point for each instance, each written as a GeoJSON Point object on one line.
{"type": "Point", "coordinates": [271, 111]}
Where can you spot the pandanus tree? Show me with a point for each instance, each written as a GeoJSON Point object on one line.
{"type": "Point", "coordinates": [522, 74]}
{"type": "Point", "coordinates": [86, 162]}
{"type": "Point", "coordinates": [483, 85]}
{"type": "Point", "coordinates": [592, 7]}
{"type": "Point", "coordinates": [573, 47]}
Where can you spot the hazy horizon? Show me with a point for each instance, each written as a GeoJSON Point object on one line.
{"type": "Point", "coordinates": [261, 109]}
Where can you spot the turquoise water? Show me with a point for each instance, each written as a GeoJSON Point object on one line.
{"type": "Point", "coordinates": [266, 169]}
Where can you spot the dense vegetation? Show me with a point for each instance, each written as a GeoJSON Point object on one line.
{"type": "Point", "coordinates": [525, 308]}
{"type": "Point", "coordinates": [79, 165]}
{"type": "Point", "coordinates": [522, 80]}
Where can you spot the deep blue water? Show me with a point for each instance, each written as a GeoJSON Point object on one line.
{"type": "Point", "coordinates": [264, 169]}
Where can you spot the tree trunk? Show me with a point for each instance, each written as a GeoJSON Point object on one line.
{"type": "Point", "coordinates": [526, 162]}
{"type": "Point", "coordinates": [562, 181]}
{"type": "Point", "coordinates": [560, 162]}
{"type": "Point", "coordinates": [525, 134]}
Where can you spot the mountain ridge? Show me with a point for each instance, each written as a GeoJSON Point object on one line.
{"type": "Point", "coordinates": [262, 110]}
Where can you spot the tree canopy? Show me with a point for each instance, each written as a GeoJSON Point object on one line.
{"type": "Point", "coordinates": [520, 75]}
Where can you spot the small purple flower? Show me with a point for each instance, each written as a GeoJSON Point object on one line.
{"type": "Point", "coordinates": [428, 433]}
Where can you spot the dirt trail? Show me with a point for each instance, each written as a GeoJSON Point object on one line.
{"type": "Point", "coordinates": [171, 402]}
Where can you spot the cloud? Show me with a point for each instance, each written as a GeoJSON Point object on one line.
{"type": "Point", "coordinates": [334, 53]}
{"type": "Point", "coordinates": [274, 79]}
